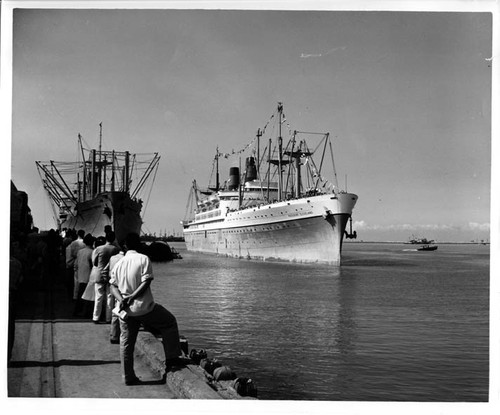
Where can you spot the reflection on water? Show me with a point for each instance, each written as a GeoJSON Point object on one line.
{"type": "Point", "coordinates": [387, 325]}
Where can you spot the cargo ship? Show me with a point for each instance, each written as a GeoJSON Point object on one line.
{"type": "Point", "coordinates": [280, 207]}
{"type": "Point", "coordinates": [103, 187]}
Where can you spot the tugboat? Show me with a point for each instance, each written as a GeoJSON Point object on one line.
{"type": "Point", "coordinates": [428, 248]}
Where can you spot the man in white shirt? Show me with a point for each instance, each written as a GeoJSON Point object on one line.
{"type": "Point", "coordinates": [130, 284]}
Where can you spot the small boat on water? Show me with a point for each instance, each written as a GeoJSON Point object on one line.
{"type": "Point", "coordinates": [100, 188]}
{"type": "Point", "coordinates": [428, 248]}
{"type": "Point", "coordinates": [281, 207]}
{"type": "Point", "coordinates": [419, 241]}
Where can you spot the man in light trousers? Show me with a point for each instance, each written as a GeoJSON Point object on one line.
{"type": "Point", "coordinates": [103, 297]}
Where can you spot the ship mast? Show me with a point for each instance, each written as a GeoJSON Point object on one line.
{"type": "Point", "coordinates": [297, 168]}
{"type": "Point", "coordinates": [217, 182]}
{"type": "Point", "coordinates": [215, 165]}
{"type": "Point", "coordinates": [84, 187]}
{"type": "Point", "coordinates": [259, 134]}
{"type": "Point", "coordinates": [269, 170]}
{"type": "Point", "coordinates": [126, 174]}
{"type": "Point", "coordinates": [100, 140]}
{"type": "Point", "coordinates": [280, 149]}
{"type": "Point", "coordinates": [99, 165]}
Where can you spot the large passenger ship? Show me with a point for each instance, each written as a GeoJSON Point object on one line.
{"type": "Point", "coordinates": [281, 207]}
{"type": "Point", "coordinates": [101, 188]}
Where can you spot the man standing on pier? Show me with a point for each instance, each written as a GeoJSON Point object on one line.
{"type": "Point", "coordinates": [114, 332]}
{"type": "Point", "coordinates": [103, 295]}
{"type": "Point", "coordinates": [130, 284]}
{"type": "Point", "coordinates": [71, 253]}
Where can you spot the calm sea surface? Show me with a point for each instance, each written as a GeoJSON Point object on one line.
{"type": "Point", "coordinates": [389, 325]}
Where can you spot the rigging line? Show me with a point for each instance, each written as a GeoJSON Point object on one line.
{"type": "Point", "coordinates": [261, 163]}
{"type": "Point", "coordinates": [272, 135]}
{"type": "Point", "coordinates": [288, 125]}
{"type": "Point", "coordinates": [153, 164]}
{"type": "Point", "coordinates": [314, 170]}
{"type": "Point", "coordinates": [68, 190]}
{"type": "Point", "coordinates": [311, 168]}
{"type": "Point", "coordinates": [189, 205]}
{"type": "Point", "coordinates": [226, 155]}
{"type": "Point", "coordinates": [132, 171]}
{"type": "Point", "coordinates": [54, 185]}
{"type": "Point", "coordinates": [48, 199]}
{"type": "Point", "coordinates": [52, 194]}
{"type": "Point", "coordinates": [269, 121]}
{"type": "Point", "coordinates": [148, 230]}
{"type": "Point", "coordinates": [213, 168]}
{"type": "Point", "coordinates": [85, 142]}
{"type": "Point", "coordinates": [52, 208]}
{"type": "Point", "coordinates": [260, 183]}
{"type": "Point", "coordinates": [312, 133]}
{"type": "Point", "coordinates": [321, 142]}
{"type": "Point", "coordinates": [321, 164]}
{"type": "Point", "coordinates": [333, 164]}
{"type": "Point", "coordinates": [289, 174]}
{"type": "Point", "coordinates": [151, 188]}
{"type": "Point", "coordinates": [263, 156]}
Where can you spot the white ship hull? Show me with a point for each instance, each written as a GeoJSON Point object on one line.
{"type": "Point", "coordinates": [306, 230]}
{"type": "Point", "coordinates": [111, 208]}
{"type": "Point", "coordinates": [99, 190]}
{"type": "Point", "coordinates": [280, 207]}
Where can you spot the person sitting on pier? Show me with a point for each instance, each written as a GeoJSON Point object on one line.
{"type": "Point", "coordinates": [130, 284]}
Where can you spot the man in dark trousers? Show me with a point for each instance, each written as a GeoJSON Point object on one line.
{"type": "Point", "coordinates": [130, 284]}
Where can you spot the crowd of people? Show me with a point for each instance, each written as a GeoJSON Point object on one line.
{"type": "Point", "coordinates": [87, 273]}
{"type": "Point", "coordinates": [108, 283]}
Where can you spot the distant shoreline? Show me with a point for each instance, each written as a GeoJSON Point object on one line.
{"type": "Point", "coordinates": [408, 243]}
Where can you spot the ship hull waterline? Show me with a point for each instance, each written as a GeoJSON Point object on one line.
{"type": "Point", "coordinates": [314, 238]}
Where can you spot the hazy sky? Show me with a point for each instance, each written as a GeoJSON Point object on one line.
{"type": "Point", "coordinates": [406, 96]}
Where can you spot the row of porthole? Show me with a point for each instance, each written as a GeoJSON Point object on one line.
{"type": "Point", "coordinates": [216, 245]}
{"type": "Point", "coordinates": [263, 216]}
{"type": "Point", "coordinates": [270, 207]}
{"type": "Point", "coordinates": [241, 230]}
{"type": "Point", "coordinates": [240, 242]}
{"type": "Point", "coordinates": [262, 228]}
{"type": "Point", "coordinates": [233, 242]}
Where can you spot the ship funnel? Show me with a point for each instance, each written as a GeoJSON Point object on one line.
{"type": "Point", "coordinates": [251, 170]}
{"type": "Point", "coordinates": [234, 178]}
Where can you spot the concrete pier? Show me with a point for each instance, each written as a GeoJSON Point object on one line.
{"type": "Point", "coordinates": [56, 355]}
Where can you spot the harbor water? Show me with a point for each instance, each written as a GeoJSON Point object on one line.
{"type": "Point", "coordinates": [391, 324]}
